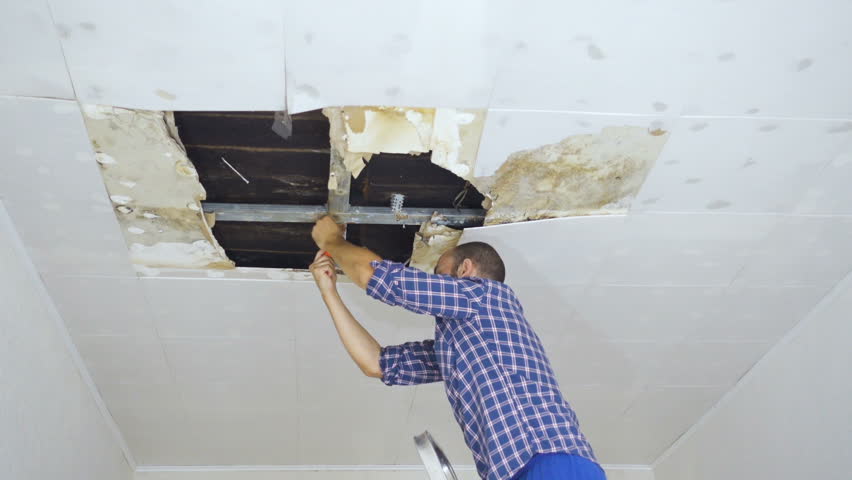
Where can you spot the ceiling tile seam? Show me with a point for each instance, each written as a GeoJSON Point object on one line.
{"type": "Point", "coordinates": [846, 282]}
{"type": "Point", "coordinates": [802, 195]}
{"type": "Point", "coordinates": [408, 417]}
{"type": "Point", "coordinates": [579, 218]}
{"type": "Point", "coordinates": [70, 346]}
{"type": "Point", "coordinates": [62, 51]}
{"type": "Point", "coordinates": [150, 314]}
{"type": "Point", "coordinates": [842, 118]}
{"type": "Point", "coordinates": [738, 214]}
{"type": "Point", "coordinates": [330, 468]}
{"type": "Point", "coordinates": [769, 117]}
{"type": "Point", "coordinates": [341, 279]}
{"type": "Point", "coordinates": [582, 112]}
{"type": "Point", "coordinates": [299, 393]}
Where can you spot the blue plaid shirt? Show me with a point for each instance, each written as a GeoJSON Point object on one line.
{"type": "Point", "coordinates": [497, 377]}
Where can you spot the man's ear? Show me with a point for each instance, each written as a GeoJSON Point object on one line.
{"type": "Point", "coordinates": [466, 268]}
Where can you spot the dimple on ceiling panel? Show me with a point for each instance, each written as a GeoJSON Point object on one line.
{"type": "Point", "coordinates": [171, 55]}
{"type": "Point", "coordinates": [30, 56]}
{"type": "Point", "coordinates": [706, 57]}
{"type": "Point", "coordinates": [421, 53]}
{"type": "Point", "coordinates": [742, 165]}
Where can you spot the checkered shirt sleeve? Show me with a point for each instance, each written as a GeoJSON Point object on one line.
{"type": "Point", "coordinates": [411, 363]}
{"type": "Point", "coordinates": [420, 292]}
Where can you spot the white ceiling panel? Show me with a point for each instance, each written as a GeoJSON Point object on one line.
{"type": "Point", "coordinates": [54, 191]}
{"type": "Point", "coordinates": [228, 308]}
{"type": "Point", "coordinates": [396, 53]}
{"type": "Point", "coordinates": [754, 313]}
{"type": "Point", "coordinates": [156, 436]}
{"type": "Point", "coordinates": [170, 55]}
{"type": "Point", "coordinates": [244, 437]}
{"type": "Point", "coordinates": [704, 363]}
{"type": "Point", "coordinates": [30, 55]}
{"type": "Point", "coordinates": [81, 301]}
{"type": "Point", "coordinates": [205, 360]}
{"type": "Point", "coordinates": [612, 312]}
{"type": "Point", "coordinates": [599, 408]}
{"type": "Point", "coordinates": [746, 165]}
{"type": "Point", "coordinates": [564, 251]}
{"type": "Point", "coordinates": [707, 250]}
{"type": "Point", "coordinates": [552, 310]}
{"type": "Point", "coordinates": [344, 416]}
{"type": "Point", "coordinates": [510, 131]}
{"type": "Point", "coordinates": [802, 251]}
{"type": "Point", "coordinates": [583, 362]}
{"type": "Point", "coordinates": [829, 193]}
{"type": "Point", "coordinates": [591, 57]}
{"type": "Point", "coordinates": [654, 420]}
{"type": "Point", "coordinates": [124, 359]}
{"type": "Point", "coordinates": [703, 57]}
{"type": "Point", "coordinates": [141, 396]}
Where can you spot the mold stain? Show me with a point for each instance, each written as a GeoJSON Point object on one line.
{"type": "Point", "coordinates": [581, 175]}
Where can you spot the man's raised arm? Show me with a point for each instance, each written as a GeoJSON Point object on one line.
{"type": "Point", "coordinates": [354, 260]}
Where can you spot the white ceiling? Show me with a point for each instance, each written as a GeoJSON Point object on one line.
{"type": "Point", "coordinates": [742, 226]}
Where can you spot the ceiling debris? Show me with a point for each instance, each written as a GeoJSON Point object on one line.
{"type": "Point", "coordinates": [430, 243]}
{"type": "Point", "coordinates": [357, 133]}
{"type": "Point", "coordinates": [154, 188]}
{"type": "Point", "coordinates": [581, 175]}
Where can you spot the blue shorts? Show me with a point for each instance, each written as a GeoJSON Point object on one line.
{"type": "Point", "coordinates": [560, 466]}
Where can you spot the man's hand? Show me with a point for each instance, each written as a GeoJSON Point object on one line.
{"type": "Point", "coordinates": [326, 231]}
{"type": "Point", "coordinates": [324, 273]}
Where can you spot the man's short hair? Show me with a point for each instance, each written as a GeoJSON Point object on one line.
{"type": "Point", "coordinates": [487, 260]}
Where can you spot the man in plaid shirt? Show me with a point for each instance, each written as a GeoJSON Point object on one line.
{"type": "Point", "coordinates": [497, 377]}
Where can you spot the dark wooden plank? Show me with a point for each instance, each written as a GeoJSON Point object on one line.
{"type": "Point", "coordinates": [391, 242]}
{"type": "Point", "coordinates": [291, 178]}
{"type": "Point", "coordinates": [265, 237]}
{"type": "Point", "coordinates": [423, 183]}
{"type": "Point", "coordinates": [245, 258]}
{"type": "Point", "coordinates": [253, 129]}
{"type": "Point", "coordinates": [289, 245]}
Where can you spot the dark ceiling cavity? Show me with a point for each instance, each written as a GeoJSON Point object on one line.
{"type": "Point", "coordinates": [241, 160]}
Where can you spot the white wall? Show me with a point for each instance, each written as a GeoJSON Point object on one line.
{"type": "Point", "coordinates": [789, 418]}
{"type": "Point", "coordinates": [50, 424]}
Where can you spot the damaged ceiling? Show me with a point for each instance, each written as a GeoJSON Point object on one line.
{"type": "Point", "coordinates": [158, 168]}
{"type": "Point", "coordinates": [710, 166]}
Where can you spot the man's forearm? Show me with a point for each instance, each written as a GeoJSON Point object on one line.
{"type": "Point", "coordinates": [362, 347]}
{"type": "Point", "coordinates": [354, 260]}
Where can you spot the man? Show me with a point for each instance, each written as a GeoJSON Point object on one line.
{"type": "Point", "coordinates": [498, 380]}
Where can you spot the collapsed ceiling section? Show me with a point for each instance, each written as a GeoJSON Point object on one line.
{"type": "Point", "coordinates": [222, 189]}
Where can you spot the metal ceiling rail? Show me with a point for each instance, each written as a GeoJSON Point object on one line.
{"type": "Point", "coordinates": [339, 208]}
{"type": "Point", "coordinates": [249, 212]}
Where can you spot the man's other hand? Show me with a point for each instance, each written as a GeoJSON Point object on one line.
{"type": "Point", "coordinates": [324, 273]}
{"type": "Point", "coordinates": [325, 231]}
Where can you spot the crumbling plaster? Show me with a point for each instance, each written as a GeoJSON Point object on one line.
{"type": "Point", "coordinates": [154, 189]}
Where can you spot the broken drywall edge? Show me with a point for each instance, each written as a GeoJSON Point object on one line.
{"type": "Point", "coordinates": [581, 175]}
{"type": "Point", "coordinates": [452, 136]}
{"type": "Point", "coordinates": [253, 274]}
{"type": "Point", "coordinates": [200, 253]}
{"type": "Point", "coordinates": [432, 241]}
{"type": "Point", "coordinates": [154, 187]}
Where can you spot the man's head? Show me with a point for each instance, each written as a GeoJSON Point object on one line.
{"type": "Point", "coordinates": [474, 259]}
